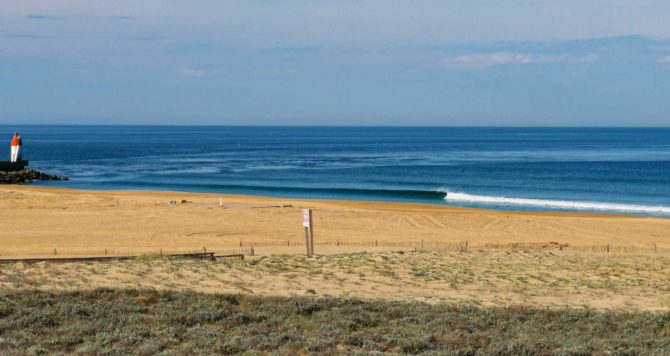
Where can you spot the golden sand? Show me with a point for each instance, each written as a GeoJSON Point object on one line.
{"type": "Point", "coordinates": [36, 220]}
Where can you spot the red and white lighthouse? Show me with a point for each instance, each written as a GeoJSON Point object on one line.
{"type": "Point", "coordinates": [16, 148]}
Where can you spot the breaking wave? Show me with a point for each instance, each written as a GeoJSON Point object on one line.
{"type": "Point", "coordinates": [556, 204]}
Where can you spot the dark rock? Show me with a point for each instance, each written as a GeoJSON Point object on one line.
{"type": "Point", "coordinates": [26, 176]}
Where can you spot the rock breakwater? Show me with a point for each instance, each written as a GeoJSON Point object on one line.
{"type": "Point", "coordinates": [26, 176]}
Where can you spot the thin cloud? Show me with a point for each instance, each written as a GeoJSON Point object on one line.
{"type": "Point", "coordinates": [24, 36]}
{"type": "Point", "coordinates": [191, 72]}
{"type": "Point", "coordinates": [191, 47]}
{"type": "Point", "coordinates": [664, 60]}
{"type": "Point", "coordinates": [485, 60]}
{"type": "Point", "coordinates": [293, 50]}
{"type": "Point", "coordinates": [43, 17]}
{"type": "Point", "coordinates": [145, 38]}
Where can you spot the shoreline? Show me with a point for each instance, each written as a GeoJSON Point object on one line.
{"type": "Point", "coordinates": [390, 203]}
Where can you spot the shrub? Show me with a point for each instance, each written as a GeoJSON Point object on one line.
{"type": "Point", "coordinates": [149, 322]}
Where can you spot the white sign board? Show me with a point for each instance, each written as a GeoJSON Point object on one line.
{"type": "Point", "coordinates": [306, 217]}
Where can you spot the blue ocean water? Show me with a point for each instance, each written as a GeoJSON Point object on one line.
{"type": "Point", "coordinates": [625, 170]}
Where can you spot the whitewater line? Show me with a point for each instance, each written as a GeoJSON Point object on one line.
{"type": "Point", "coordinates": [560, 204]}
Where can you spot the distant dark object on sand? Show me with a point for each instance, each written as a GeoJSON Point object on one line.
{"type": "Point", "coordinates": [26, 176]}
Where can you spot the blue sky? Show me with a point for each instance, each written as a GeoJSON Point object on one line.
{"type": "Point", "coordinates": [346, 62]}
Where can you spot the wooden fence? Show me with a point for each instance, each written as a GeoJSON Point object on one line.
{"type": "Point", "coordinates": [197, 255]}
{"type": "Point", "coordinates": [55, 253]}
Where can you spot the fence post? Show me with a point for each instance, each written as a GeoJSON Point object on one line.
{"type": "Point", "coordinates": [308, 224]}
{"type": "Point", "coordinates": [55, 252]}
{"type": "Point", "coordinates": [421, 245]}
{"type": "Point", "coordinates": [252, 251]}
{"type": "Point", "coordinates": [655, 248]}
{"type": "Point", "coordinates": [311, 233]}
{"type": "Point", "coordinates": [161, 252]}
{"type": "Point", "coordinates": [240, 243]}
{"type": "Point", "coordinates": [105, 252]}
{"type": "Point", "coordinates": [466, 245]}
{"type": "Point", "coordinates": [608, 248]}
{"type": "Point", "coordinates": [309, 251]}
{"type": "Point", "coordinates": [204, 250]}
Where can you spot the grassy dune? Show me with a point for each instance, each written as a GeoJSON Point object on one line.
{"type": "Point", "coordinates": [480, 278]}
{"type": "Point", "coordinates": [148, 322]}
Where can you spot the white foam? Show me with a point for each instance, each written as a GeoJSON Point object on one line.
{"type": "Point", "coordinates": [557, 204]}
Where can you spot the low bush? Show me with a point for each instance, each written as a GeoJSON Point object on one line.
{"type": "Point", "coordinates": [149, 322]}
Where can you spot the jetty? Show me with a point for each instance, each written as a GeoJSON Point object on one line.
{"type": "Point", "coordinates": [26, 176]}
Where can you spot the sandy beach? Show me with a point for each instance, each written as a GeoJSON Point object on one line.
{"type": "Point", "coordinates": [39, 219]}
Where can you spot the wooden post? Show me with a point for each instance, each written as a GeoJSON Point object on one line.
{"type": "Point", "coordinates": [55, 252]}
{"type": "Point", "coordinates": [308, 224]}
{"type": "Point", "coordinates": [311, 232]}
{"type": "Point", "coordinates": [105, 252]}
{"type": "Point", "coordinates": [307, 242]}
{"type": "Point", "coordinates": [252, 251]}
{"type": "Point", "coordinates": [161, 252]}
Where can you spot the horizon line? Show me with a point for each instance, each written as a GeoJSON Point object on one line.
{"type": "Point", "coordinates": [349, 126]}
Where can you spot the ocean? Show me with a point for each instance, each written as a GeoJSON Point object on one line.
{"type": "Point", "coordinates": [619, 170]}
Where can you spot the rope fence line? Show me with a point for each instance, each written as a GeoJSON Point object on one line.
{"type": "Point", "coordinates": [606, 249]}
{"type": "Point", "coordinates": [464, 246]}
{"type": "Point", "coordinates": [248, 248]}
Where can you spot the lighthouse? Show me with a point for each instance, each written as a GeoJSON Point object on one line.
{"type": "Point", "coordinates": [16, 162]}
{"type": "Point", "coordinates": [16, 148]}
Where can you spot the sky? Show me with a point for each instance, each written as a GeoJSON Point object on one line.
{"type": "Point", "coordinates": [344, 62]}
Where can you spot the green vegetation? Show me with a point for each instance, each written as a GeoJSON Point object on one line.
{"type": "Point", "coordinates": [149, 322]}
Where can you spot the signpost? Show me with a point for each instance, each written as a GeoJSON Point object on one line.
{"type": "Point", "coordinates": [308, 224]}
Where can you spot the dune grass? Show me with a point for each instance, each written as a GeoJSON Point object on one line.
{"type": "Point", "coordinates": [538, 279]}
{"type": "Point", "coordinates": [126, 321]}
